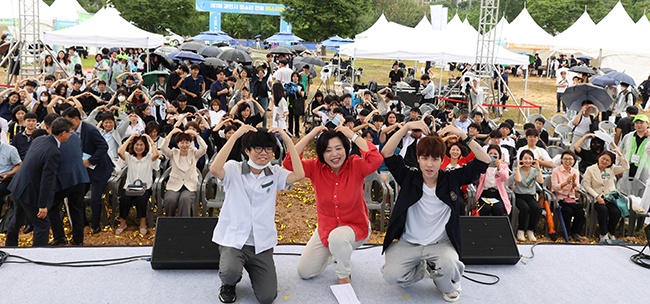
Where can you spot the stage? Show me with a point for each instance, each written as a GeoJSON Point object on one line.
{"type": "Point", "coordinates": [557, 274]}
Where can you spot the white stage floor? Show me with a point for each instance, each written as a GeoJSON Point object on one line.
{"type": "Point", "coordinates": [557, 274]}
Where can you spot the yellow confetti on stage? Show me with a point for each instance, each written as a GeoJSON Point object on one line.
{"type": "Point", "coordinates": [286, 298]}
{"type": "Point", "coordinates": [405, 297]}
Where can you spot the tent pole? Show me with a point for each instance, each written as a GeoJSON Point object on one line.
{"type": "Point", "coordinates": [442, 67]}
{"type": "Point", "coordinates": [148, 60]}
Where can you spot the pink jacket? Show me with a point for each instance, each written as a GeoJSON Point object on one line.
{"type": "Point", "coordinates": [501, 186]}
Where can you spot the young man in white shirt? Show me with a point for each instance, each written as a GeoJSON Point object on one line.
{"type": "Point", "coordinates": [532, 136]}
{"type": "Point", "coordinates": [246, 232]}
{"type": "Point", "coordinates": [283, 74]}
{"type": "Point", "coordinates": [560, 86]}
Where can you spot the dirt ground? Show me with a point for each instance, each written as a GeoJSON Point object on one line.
{"type": "Point", "coordinates": [295, 210]}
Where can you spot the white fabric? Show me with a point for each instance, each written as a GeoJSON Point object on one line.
{"type": "Point", "coordinates": [426, 219]}
{"type": "Point", "coordinates": [249, 205]}
{"type": "Point", "coordinates": [105, 29]}
{"type": "Point", "coordinates": [279, 120]}
{"type": "Point", "coordinates": [283, 75]}
{"type": "Point", "coordinates": [67, 10]}
{"type": "Point", "coordinates": [490, 180]}
{"type": "Point", "coordinates": [561, 89]}
{"type": "Point", "coordinates": [538, 152]}
{"type": "Point", "coordinates": [140, 169]}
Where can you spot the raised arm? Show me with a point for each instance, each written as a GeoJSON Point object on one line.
{"type": "Point", "coordinates": [122, 149]}
{"type": "Point", "coordinates": [391, 145]}
{"type": "Point", "coordinates": [472, 144]}
{"type": "Point", "coordinates": [216, 168]}
{"type": "Point", "coordinates": [300, 146]}
{"type": "Point", "coordinates": [298, 172]}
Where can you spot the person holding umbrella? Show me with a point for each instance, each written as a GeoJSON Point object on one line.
{"type": "Point", "coordinates": [586, 121]}
{"type": "Point", "coordinates": [624, 99]}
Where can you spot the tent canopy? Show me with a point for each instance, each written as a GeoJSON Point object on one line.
{"type": "Point", "coordinates": [524, 33]}
{"type": "Point", "coordinates": [283, 37]}
{"type": "Point", "coordinates": [94, 32]}
{"type": "Point", "coordinates": [376, 28]}
{"type": "Point", "coordinates": [67, 10]}
{"type": "Point", "coordinates": [213, 37]}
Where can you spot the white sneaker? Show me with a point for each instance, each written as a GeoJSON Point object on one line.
{"type": "Point", "coordinates": [604, 238]}
{"type": "Point", "coordinates": [520, 236]}
{"type": "Point", "coordinates": [452, 296]}
{"type": "Point", "coordinates": [611, 237]}
{"type": "Point", "coordinates": [531, 236]}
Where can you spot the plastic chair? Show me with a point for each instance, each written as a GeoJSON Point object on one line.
{"type": "Point", "coordinates": [554, 150]}
{"type": "Point", "coordinates": [212, 194]}
{"type": "Point", "coordinates": [607, 127]}
{"type": "Point", "coordinates": [531, 118]}
{"type": "Point", "coordinates": [393, 192]}
{"type": "Point", "coordinates": [161, 183]}
{"type": "Point", "coordinates": [565, 132]}
{"type": "Point", "coordinates": [374, 193]}
{"type": "Point", "coordinates": [427, 108]}
{"type": "Point", "coordinates": [514, 212]}
{"type": "Point", "coordinates": [559, 119]}
{"type": "Point", "coordinates": [632, 186]}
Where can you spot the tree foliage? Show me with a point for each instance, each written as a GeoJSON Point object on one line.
{"type": "Point", "coordinates": [155, 16]}
{"type": "Point", "coordinates": [314, 20]}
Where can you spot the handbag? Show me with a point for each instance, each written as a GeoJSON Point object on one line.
{"type": "Point", "coordinates": [617, 198]}
{"type": "Point", "coordinates": [138, 188]}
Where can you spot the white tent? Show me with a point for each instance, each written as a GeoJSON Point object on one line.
{"type": "Point", "coordinates": [424, 24]}
{"type": "Point", "coordinates": [67, 10]}
{"type": "Point", "coordinates": [524, 33]}
{"type": "Point", "coordinates": [377, 28]}
{"type": "Point", "coordinates": [498, 30]}
{"type": "Point", "coordinates": [577, 39]}
{"type": "Point", "coordinates": [105, 29]}
{"type": "Point", "coordinates": [9, 14]}
{"type": "Point", "coordinates": [643, 25]}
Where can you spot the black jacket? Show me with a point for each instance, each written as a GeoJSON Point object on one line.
{"type": "Point", "coordinates": [447, 190]}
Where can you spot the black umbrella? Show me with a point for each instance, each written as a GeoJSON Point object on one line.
{"type": "Point", "coordinates": [241, 48]}
{"type": "Point", "coordinates": [192, 46]}
{"type": "Point", "coordinates": [312, 60]}
{"type": "Point", "coordinates": [582, 70]}
{"type": "Point", "coordinates": [281, 50]}
{"type": "Point", "coordinates": [298, 48]}
{"type": "Point", "coordinates": [210, 51]}
{"type": "Point", "coordinates": [607, 70]}
{"type": "Point", "coordinates": [166, 50]}
{"type": "Point", "coordinates": [235, 55]}
{"type": "Point", "coordinates": [215, 62]}
{"type": "Point", "coordinates": [574, 96]}
{"type": "Point", "coordinates": [621, 77]}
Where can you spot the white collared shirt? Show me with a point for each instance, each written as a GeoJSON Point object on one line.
{"type": "Point", "coordinates": [248, 213]}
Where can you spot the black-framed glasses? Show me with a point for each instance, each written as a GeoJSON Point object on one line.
{"type": "Point", "coordinates": [266, 149]}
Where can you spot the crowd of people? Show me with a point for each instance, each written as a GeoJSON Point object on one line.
{"type": "Point", "coordinates": [232, 121]}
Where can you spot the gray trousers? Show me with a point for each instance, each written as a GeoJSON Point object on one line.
{"type": "Point", "coordinates": [406, 264]}
{"type": "Point", "coordinates": [183, 200]}
{"type": "Point", "coordinates": [260, 268]}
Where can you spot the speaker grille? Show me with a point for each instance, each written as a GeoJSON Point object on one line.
{"type": "Point", "coordinates": [488, 240]}
{"type": "Point", "coordinates": [185, 243]}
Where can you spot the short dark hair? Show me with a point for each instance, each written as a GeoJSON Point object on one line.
{"type": "Point", "coordinates": [30, 83]}
{"type": "Point", "coordinates": [192, 124]}
{"type": "Point", "coordinates": [532, 132]}
{"type": "Point", "coordinates": [432, 146]}
{"type": "Point", "coordinates": [376, 118]}
{"type": "Point", "coordinates": [151, 126]}
{"type": "Point", "coordinates": [611, 155]}
{"type": "Point", "coordinates": [230, 128]}
{"type": "Point", "coordinates": [181, 98]}
{"type": "Point", "coordinates": [261, 138]}
{"type": "Point", "coordinates": [570, 153]}
{"type": "Point", "coordinates": [425, 77]}
{"type": "Point", "coordinates": [49, 118]}
{"type": "Point", "coordinates": [529, 125]}
{"type": "Point", "coordinates": [505, 125]}
{"type": "Point", "coordinates": [323, 141]}
{"type": "Point", "coordinates": [540, 119]}
{"type": "Point", "coordinates": [30, 115]}
{"type": "Point", "coordinates": [107, 116]}
{"type": "Point", "coordinates": [183, 137]}
{"type": "Point", "coordinates": [129, 77]}
{"type": "Point", "coordinates": [71, 113]}
{"type": "Point", "coordinates": [494, 147]}
{"type": "Point", "coordinates": [231, 78]}
{"type": "Point", "coordinates": [101, 82]}
{"type": "Point", "coordinates": [632, 110]}
{"type": "Point", "coordinates": [60, 125]}
{"type": "Point", "coordinates": [184, 68]}
{"type": "Point", "coordinates": [194, 67]}
{"type": "Point", "coordinates": [495, 134]}
{"type": "Point", "coordinates": [479, 113]}
{"type": "Point", "coordinates": [475, 126]}
{"type": "Point", "coordinates": [38, 132]}
{"type": "Point", "coordinates": [416, 109]}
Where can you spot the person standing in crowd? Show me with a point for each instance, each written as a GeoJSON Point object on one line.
{"type": "Point", "coordinates": [283, 74]}
{"type": "Point", "coordinates": [246, 232]}
{"type": "Point", "coordinates": [96, 159]}
{"type": "Point", "coordinates": [176, 79]}
{"type": "Point", "coordinates": [395, 75]}
{"type": "Point", "coordinates": [34, 186]}
{"type": "Point", "coordinates": [429, 91]}
{"type": "Point", "coordinates": [10, 162]}
{"type": "Point", "coordinates": [426, 218]}
{"type": "Point", "coordinates": [624, 99]}
{"type": "Point", "coordinates": [625, 124]}
{"type": "Point", "coordinates": [219, 90]}
{"type": "Point", "coordinates": [561, 83]}
{"type": "Point", "coordinates": [338, 179]}
{"type": "Point", "coordinates": [295, 93]}
{"type": "Point", "coordinates": [633, 145]}
{"type": "Point", "coordinates": [194, 87]}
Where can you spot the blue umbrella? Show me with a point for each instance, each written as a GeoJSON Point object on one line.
{"type": "Point", "coordinates": [336, 41]}
{"type": "Point", "coordinates": [621, 77]}
{"type": "Point", "coordinates": [283, 37]}
{"type": "Point", "coordinates": [602, 81]}
{"type": "Point", "coordinates": [574, 96]}
{"type": "Point", "coordinates": [182, 55]}
{"type": "Point", "coordinates": [257, 36]}
{"type": "Point", "coordinates": [212, 37]}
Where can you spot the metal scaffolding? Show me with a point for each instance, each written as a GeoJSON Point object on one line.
{"type": "Point", "coordinates": [29, 33]}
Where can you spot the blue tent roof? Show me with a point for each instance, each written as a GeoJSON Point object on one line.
{"type": "Point", "coordinates": [283, 37]}
{"type": "Point", "coordinates": [336, 41]}
{"type": "Point", "coordinates": [212, 37]}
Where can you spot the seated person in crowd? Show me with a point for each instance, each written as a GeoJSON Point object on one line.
{"type": "Point", "coordinates": [463, 121]}
{"type": "Point", "coordinates": [566, 183]}
{"type": "Point", "coordinates": [23, 139]}
{"type": "Point", "coordinates": [586, 120]}
{"type": "Point", "coordinates": [246, 238]}
{"type": "Point", "coordinates": [141, 158]}
{"type": "Point", "coordinates": [495, 139]}
{"type": "Point", "coordinates": [540, 154]}
{"type": "Point", "coordinates": [599, 181]}
{"type": "Point", "coordinates": [625, 124]}
{"type": "Point", "coordinates": [182, 186]}
{"type": "Point", "coordinates": [523, 142]}
{"type": "Point", "coordinates": [425, 220]}
{"type": "Point", "coordinates": [507, 137]}
{"type": "Point", "coordinates": [588, 157]}
{"type": "Point", "coordinates": [524, 184]}
{"type": "Point", "coordinates": [539, 126]}
{"type": "Point", "coordinates": [454, 158]}
{"type": "Point", "coordinates": [492, 198]}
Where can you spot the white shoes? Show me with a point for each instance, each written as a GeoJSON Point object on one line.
{"type": "Point", "coordinates": [520, 236]}
{"type": "Point", "coordinates": [611, 237]}
{"type": "Point", "coordinates": [604, 238]}
{"type": "Point", "coordinates": [531, 236]}
{"type": "Point", "coordinates": [452, 296]}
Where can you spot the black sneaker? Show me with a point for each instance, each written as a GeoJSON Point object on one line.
{"type": "Point", "coordinates": [227, 294]}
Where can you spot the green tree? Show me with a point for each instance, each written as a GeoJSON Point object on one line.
{"type": "Point", "coordinates": [314, 20]}
{"type": "Point", "coordinates": [155, 16]}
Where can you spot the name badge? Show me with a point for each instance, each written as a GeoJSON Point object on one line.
{"type": "Point", "coordinates": [267, 184]}
{"type": "Point", "coordinates": [636, 158]}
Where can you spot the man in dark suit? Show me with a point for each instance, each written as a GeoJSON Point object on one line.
{"type": "Point", "coordinates": [35, 183]}
{"type": "Point", "coordinates": [95, 159]}
{"type": "Point", "coordinates": [72, 181]}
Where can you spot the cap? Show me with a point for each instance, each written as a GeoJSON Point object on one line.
{"type": "Point", "coordinates": [505, 125]}
{"type": "Point", "coordinates": [604, 136]}
{"type": "Point", "coordinates": [640, 118]}
{"type": "Point", "coordinates": [77, 67]}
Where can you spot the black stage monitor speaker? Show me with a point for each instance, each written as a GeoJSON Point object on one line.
{"type": "Point", "coordinates": [488, 240]}
{"type": "Point", "coordinates": [185, 243]}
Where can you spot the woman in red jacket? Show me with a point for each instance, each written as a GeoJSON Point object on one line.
{"type": "Point", "coordinates": [338, 179]}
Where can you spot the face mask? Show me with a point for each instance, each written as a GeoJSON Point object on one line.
{"type": "Point", "coordinates": [43, 98]}
{"type": "Point", "coordinates": [121, 98]}
{"type": "Point", "coordinates": [395, 102]}
{"type": "Point", "coordinates": [494, 158]}
{"type": "Point", "coordinates": [255, 166]}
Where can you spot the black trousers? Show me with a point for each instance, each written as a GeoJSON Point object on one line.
{"type": "Point", "coordinates": [529, 211]}
{"type": "Point", "coordinates": [558, 96]}
{"type": "Point", "coordinates": [608, 217]}
{"type": "Point", "coordinates": [41, 226]}
{"type": "Point", "coordinates": [140, 202]}
{"type": "Point", "coordinates": [575, 211]}
{"type": "Point", "coordinates": [294, 122]}
{"type": "Point", "coordinates": [497, 209]}
{"type": "Point", "coordinates": [75, 195]}
{"type": "Point", "coordinates": [97, 190]}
